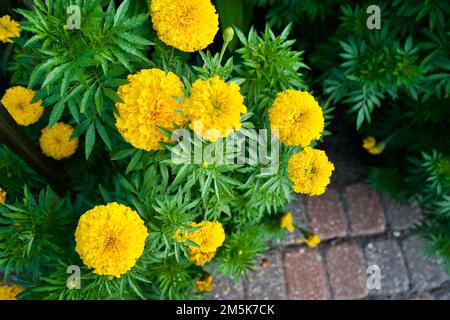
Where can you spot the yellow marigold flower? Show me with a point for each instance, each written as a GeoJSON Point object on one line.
{"type": "Point", "coordinates": [369, 143]}
{"type": "Point", "coordinates": [296, 118]}
{"type": "Point", "coordinates": [372, 146]}
{"type": "Point", "coordinates": [214, 108]}
{"type": "Point", "coordinates": [8, 29]}
{"type": "Point", "coordinates": [2, 196]}
{"type": "Point", "coordinates": [209, 238]}
{"type": "Point", "coordinates": [17, 100]}
{"type": "Point", "coordinates": [310, 171]}
{"type": "Point", "coordinates": [56, 141]}
{"type": "Point", "coordinates": [188, 25]}
{"type": "Point", "coordinates": [312, 240]}
{"type": "Point", "coordinates": [110, 239]}
{"type": "Point", "coordinates": [205, 284]}
{"type": "Point", "coordinates": [150, 100]}
{"type": "Point", "coordinates": [287, 223]}
{"type": "Point", "coordinates": [9, 292]}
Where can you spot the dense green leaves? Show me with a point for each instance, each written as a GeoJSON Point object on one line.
{"type": "Point", "coordinates": [77, 73]}
{"type": "Point", "coordinates": [270, 65]}
{"type": "Point", "coordinates": [80, 66]}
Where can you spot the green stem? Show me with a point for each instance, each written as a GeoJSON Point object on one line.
{"type": "Point", "coordinates": [222, 53]}
{"type": "Point", "coordinates": [14, 137]}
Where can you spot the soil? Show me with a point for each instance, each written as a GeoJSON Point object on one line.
{"type": "Point", "coordinates": [344, 149]}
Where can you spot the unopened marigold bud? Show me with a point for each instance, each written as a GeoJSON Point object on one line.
{"type": "Point", "coordinates": [228, 34]}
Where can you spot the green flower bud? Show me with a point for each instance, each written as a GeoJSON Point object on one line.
{"type": "Point", "coordinates": [228, 34]}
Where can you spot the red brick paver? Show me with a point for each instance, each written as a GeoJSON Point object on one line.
{"type": "Point", "coordinates": [421, 296]}
{"type": "Point", "coordinates": [400, 216]}
{"type": "Point", "coordinates": [337, 268]}
{"type": "Point", "coordinates": [346, 271]}
{"type": "Point", "coordinates": [365, 211]}
{"type": "Point", "coordinates": [258, 288]}
{"type": "Point", "coordinates": [306, 276]}
{"type": "Point", "coordinates": [326, 215]}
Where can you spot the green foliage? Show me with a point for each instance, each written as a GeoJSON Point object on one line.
{"type": "Point", "coordinates": [77, 74]}
{"type": "Point", "coordinates": [34, 233]}
{"type": "Point", "coordinates": [238, 255]}
{"type": "Point", "coordinates": [377, 65]}
{"type": "Point", "coordinates": [282, 11]}
{"type": "Point", "coordinates": [394, 84]}
{"type": "Point", "coordinates": [15, 173]}
{"type": "Point", "coordinates": [270, 63]}
{"type": "Point", "coordinates": [389, 180]}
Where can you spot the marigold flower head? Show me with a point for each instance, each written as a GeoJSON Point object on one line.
{"type": "Point", "coordinates": [2, 196]}
{"type": "Point", "coordinates": [214, 108]}
{"type": "Point", "coordinates": [9, 292]}
{"type": "Point", "coordinates": [372, 146]}
{"type": "Point", "coordinates": [205, 284]}
{"type": "Point", "coordinates": [110, 239]}
{"type": "Point", "coordinates": [310, 171]}
{"type": "Point", "coordinates": [57, 143]}
{"type": "Point", "coordinates": [209, 238]}
{"type": "Point", "coordinates": [17, 100]}
{"type": "Point", "coordinates": [150, 101]}
{"type": "Point", "coordinates": [369, 143]}
{"type": "Point", "coordinates": [312, 240]}
{"type": "Point", "coordinates": [296, 118]}
{"type": "Point", "coordinates": [8, 29]}
{"type": "Point", "coordinates": [188, 25]}
{"type": "Point", "coordinates": [287, 222]}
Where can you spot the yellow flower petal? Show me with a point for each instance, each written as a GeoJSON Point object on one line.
{"type": "Point", "coordinates": [209, 238]}
{"type": "Point", "coordinates": [2, 196]}
{"type": "Point", "coordinates": [369, 143]}
{"type": "Point", "coordinates": [9, 292]}
{"type": "Point", "coordinates": [313, 240]}
{"type": "Point", "coordinates": [8, 29]}
{"type": "Point", "coordinates": [205, 284]}
{"type": "Point", "coordinates": [287, 222]}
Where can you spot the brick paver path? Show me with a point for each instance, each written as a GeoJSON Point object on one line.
{"type": "Point", "coordinates": [359, 228]}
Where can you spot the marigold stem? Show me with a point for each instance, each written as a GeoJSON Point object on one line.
{"type": "Point", "coordinates": [14, 137]}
